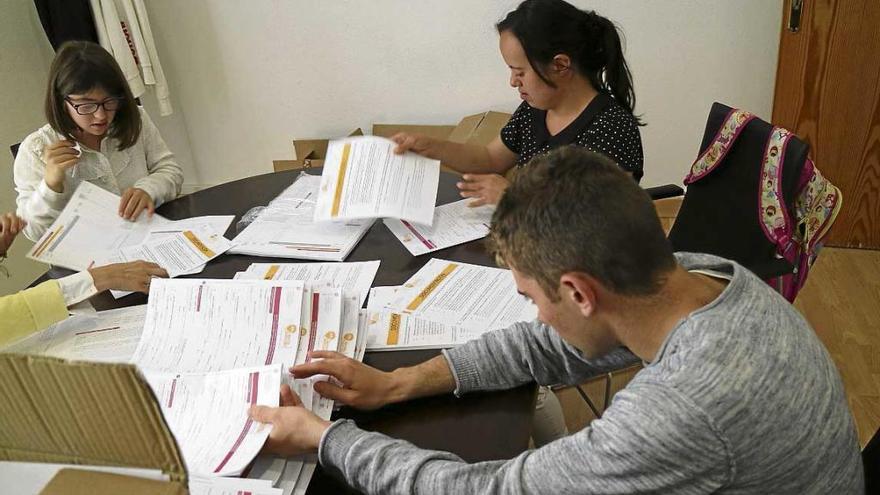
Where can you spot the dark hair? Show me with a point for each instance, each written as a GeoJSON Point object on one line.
{"type": "Point", "coordinates": [547, 28]}
{"type": "Point", "coordinates": [79, 67]}
{"type": "Point", "coordinates": [574, 210]}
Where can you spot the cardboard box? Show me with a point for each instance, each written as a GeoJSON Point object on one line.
{"type": "Point", "coordinates": [72, 412]}
{"type": "Point", "coordinates": [480, 128]}
{"type": "Point", "coordinates": [83, 482]}
{"type": "Point", "coordinates": [307, 153]}
{"type": "Point", "coordinates": [434, 131]}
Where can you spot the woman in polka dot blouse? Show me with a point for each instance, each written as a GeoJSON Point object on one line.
{"type": "Point", "coordinates": [568, 67]}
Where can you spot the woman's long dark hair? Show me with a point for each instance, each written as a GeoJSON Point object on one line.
{"type": "Point", "coordinates": [547, 28]}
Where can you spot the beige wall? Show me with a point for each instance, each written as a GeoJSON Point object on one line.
{"type": "Point", "coordinates": [25, 56]}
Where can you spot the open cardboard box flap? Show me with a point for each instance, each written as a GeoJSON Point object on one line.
{"type": "Point", "coordinates": [73, 412]}
{"type": "Point", "coordinates": [308, 153]}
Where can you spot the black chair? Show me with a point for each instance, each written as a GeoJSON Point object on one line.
{"type": "Point", "coordinates": [871, 461]}
{"type": "Point", "coordinates": [14, 150]}
{"type": "Point", "coordinates": [719, 214]}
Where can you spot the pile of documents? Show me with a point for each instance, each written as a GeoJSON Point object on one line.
{"type": "Point", "coordinates": [454, 223]}
{"type": "Point", "coordinates": [286, 228]}
{"type": "Point", "coordinates": [89, 232]}
{"type": "Point", "coordinates": [444, 304]}
{"type": "Point", "coordinates": [212, 348]}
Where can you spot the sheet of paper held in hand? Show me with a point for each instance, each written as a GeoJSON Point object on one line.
{"type": "Point", "coordinates": [90, 228]}
{"type": "Point", "coordinates": [364, 178]}
{"type": "Point", "coordinates": [208, 414]}
{"type": "Point", "coordinates": [454, 223]}
{"type": "Point", "coordinates": [286, 228]}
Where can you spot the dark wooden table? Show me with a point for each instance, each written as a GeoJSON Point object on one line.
{"type": "Point", "coordinates": [477, 427]}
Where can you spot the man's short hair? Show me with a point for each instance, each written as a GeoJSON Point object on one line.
{"type": "Point", "coordinates": [573, 210]}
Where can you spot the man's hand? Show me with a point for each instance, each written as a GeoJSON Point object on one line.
{"type": "Point", "coordinates": [486, 189]}
{"type": "Point", "coordinates": [362, 387]}
{"type": "Point", "coordinates": [133, 202]}
{"type": "Point", "coordinates": [295, 429]}
{"type": "Point", "coordinates": [10, 226]}
{"type": "Point", "coordinates": [131, 276]}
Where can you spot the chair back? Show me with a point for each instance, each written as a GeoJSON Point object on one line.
{"type": "Point", "coordinates": [720, 213]}
{"type": "Point", "coordinates": [871, 461]}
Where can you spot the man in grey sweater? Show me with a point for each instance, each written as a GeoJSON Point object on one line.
{"type": "Point", "coordinates": [738, 395]}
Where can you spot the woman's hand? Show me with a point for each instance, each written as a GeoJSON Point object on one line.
{"type": "Point", "coordinates": [418, 144]}
{"type": "Point", "coordinates": [486, 189]}
{"type": "Point", "coordinates": [133, 202]}
{"type": "Point", "coordinates": [59, 157]}
{"type": "Point", "coordinates": [133, 276]}
{"type": "Point", "coordinates": [10, 226]}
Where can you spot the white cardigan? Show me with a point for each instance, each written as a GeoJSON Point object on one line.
{"type": "Point", "coordinates": [145, 57]}
{"type": "Point", "coordinates": [148, 165]}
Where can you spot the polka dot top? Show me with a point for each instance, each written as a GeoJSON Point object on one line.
{"type": "Point", "coordinates": [604, 127]}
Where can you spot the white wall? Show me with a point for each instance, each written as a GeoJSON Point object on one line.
{"type": "Point", "coordinates": [250, 76]}
{"type": "Point", "coordinates": [25, 56]}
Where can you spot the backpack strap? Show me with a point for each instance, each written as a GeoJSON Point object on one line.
{"type": "Point", "coordinates": [774, 218]}
{"type": "Point", "coordinates": [817, 206]}
{"type": "Point", "coordinates": [720, 145]}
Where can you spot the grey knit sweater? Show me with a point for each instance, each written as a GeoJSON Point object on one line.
{"type": "Point", "coordinates": [741, 398]}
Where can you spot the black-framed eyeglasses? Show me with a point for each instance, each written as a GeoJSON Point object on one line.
{"type": "Point", "coordinates": [110, 105]}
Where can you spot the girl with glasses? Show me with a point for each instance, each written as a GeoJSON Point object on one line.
{"type": "Point", "coordinates": [97, 133]}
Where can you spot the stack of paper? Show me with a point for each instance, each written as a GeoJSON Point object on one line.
{"type": "Point", "coordinates": [454, 224]}
{"type": "Point", "coordinates": [444, 304]}
{"type": "Point", "coordinates": [354, 277]}
{"type": "Point", "coordinates": [89, 231]}
{"type": "Point", "coordinates": [110, 336]}
{"type": "Point", "coordinates": [364, 178]}
{"type": "Point", "coordinates": [286, 228]}
{"type": "Point", "coordinates": [212, 348]}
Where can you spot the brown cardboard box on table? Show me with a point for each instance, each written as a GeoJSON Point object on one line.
{"type": "Point", "coordinates": [479, 128]}
{"type": "Point", "coordinates": [308, 153]}
{"type": "Point", "coordinates": [76, 412]}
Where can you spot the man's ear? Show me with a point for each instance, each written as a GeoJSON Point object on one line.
{"type": "Point", "coordinates": [561, 64]}
{"type": "Point", "coordinates": [579, 289]}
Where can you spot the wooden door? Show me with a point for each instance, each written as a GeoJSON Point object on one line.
{"type": "Point", "coordinates": [828, 93]}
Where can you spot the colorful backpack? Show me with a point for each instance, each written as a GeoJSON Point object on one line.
{"type": "Point", "coordinates": [797, 234]}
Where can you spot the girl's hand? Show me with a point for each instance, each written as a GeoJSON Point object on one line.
{"type": "Point", "coordinates": [59, 157]}
{"type": "Point", "coordinates": [133, 202]}
{"type": "Point", "coordinates": [486, 189]}
{"type": "Point", "coordinates": [419, 144]}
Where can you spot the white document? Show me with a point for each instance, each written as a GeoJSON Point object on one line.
{"type": "Point", "coordinates": [382, 297]}
{"type": "Point", "coordinates": [351, 276]}
{"type": "Point", "coordinates": [454, 223]}
{"type": "Point", "coordinates": [208, 415]}
{"type": "Point", "coordinates": [364, 178]}
{"type": "Point", "coordinates": [197, 325]}
{"type": "Point", "coordinates": [179, 253]}
{"type": "Point", "coordinates": [204, 485]}
{"type": "Point", "coordinates": [110, 336]}
{"type": "Point", "coordinates": [465, 295]}
{"type": "Point", "coordinates": [215, 223]}
{"type": "Point", "coordinates": [286, 228]}
{"type": "Point", "coordinates": [88, 227]}
{"type": "Point", "coordinates": [390, 331]}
